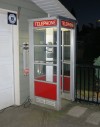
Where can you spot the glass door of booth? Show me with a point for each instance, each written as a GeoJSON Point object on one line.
{"type": "Point", "coordinates": [45, 63]}
{"type": "Point", "coordinates": [65, 63]}
{"type": "Point", "coordinates": [45, 66]}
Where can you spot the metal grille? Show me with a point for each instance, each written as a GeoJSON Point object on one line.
{"type": "Point", "coordinates": [88, 83]}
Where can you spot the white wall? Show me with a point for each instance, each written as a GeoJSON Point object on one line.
{"type": "Point", "coordinates": [28, 10]}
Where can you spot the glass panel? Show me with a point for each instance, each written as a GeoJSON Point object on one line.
{"type": "Point", "coordinates": [45, 36]}
{"type": "Point", "coordinates": [55, 37]}
{"type": "Point", "coordinates": [46, 50]}
{"type": "Point", "coordinates": [66, 53]}
{"type": "Point", "coordinates": [45, 73]}
{"type": "Point", "coordinates": [40, 54]}
{"type": "Point", "coordinates": [40, 37]}
{"type": "Point", "coordinates": [51, 36]}
{"type": "Point", "coordinates": [39, 70]}
{"type": "Point", "coordinates": [67, 69]}
{"type": "Point", "coordinates": [66, 37]}
{"type": "Point", "coordinates": [43, 54]}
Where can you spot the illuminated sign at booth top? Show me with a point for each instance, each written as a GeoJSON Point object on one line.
{"type": "Point", "coordinates": [45, 23]}
{"type": "Point", "coordinates": [67, 24]}
{"type": "Point", "coordinates": [53, 22]}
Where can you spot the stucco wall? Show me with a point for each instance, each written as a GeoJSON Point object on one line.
{"type": "Point", "coordinates": [27, 10]}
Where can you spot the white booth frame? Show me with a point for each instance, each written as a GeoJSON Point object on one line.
{"type": "Point", "coordinates": [72, 56]}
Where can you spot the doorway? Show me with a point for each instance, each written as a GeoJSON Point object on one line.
{"type": "Point", "coordinates": [65, 63]}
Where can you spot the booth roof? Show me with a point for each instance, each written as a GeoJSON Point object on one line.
{"type": "Point", "coordinates": [53, 8]}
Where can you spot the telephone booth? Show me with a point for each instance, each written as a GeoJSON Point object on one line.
{"type": "Point", "coordinates": [52, 61]}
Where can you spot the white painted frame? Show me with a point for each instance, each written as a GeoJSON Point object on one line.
{"type": "Point", "coordinates": [73, 63]}
{"type": "Point", "coordinates": [16, 63]}
{"type": "Point", "coordinates": [58, 64]}
{"type": "Point", "coordinates": [72, 56]}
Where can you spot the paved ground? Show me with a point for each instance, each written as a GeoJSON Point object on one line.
{"type": "Point", "coordinates": [73, 115]}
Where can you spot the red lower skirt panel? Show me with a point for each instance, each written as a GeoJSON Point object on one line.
{"type": "Point", "coordinates": [45, 90]}
{"type": "Point", "coordinates": [66, 85]}
{"type": "Point", "coordinates": [48, 90]}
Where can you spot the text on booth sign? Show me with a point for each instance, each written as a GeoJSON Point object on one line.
{"type": "Point", "coordinates": [45, 23]}
{"type": "Point", "coordinates": [67, 24]}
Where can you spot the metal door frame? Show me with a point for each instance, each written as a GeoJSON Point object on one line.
{"type": "Point", "coordinates": [72, 63]}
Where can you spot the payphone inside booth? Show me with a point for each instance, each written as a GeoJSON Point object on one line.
{"type": "Point", "coordinates": [52, 61]}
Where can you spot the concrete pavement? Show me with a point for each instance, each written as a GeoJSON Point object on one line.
{"type": "Point", "coordinates": [73, 115]}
